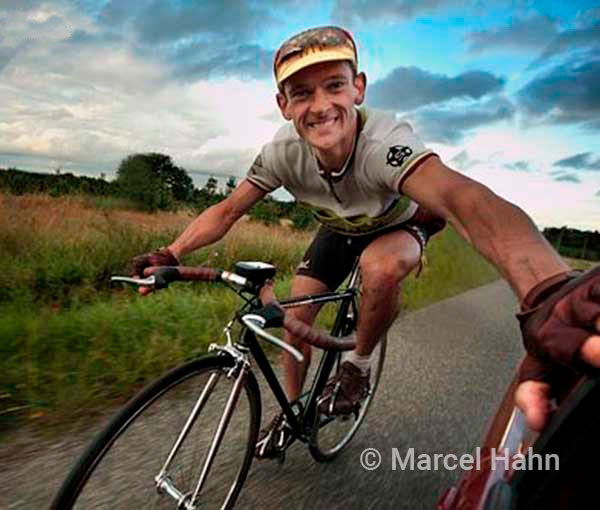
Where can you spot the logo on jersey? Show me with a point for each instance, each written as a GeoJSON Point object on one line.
{"type": "Point", "coordinates": [398, 154]}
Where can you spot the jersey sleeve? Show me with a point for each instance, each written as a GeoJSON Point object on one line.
{"type": "Point", "coordinates": [397, 156]}
{"type": "Point", "coordinates": [262, 172]}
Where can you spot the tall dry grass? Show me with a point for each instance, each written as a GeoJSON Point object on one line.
{"type": "Point", "coordinates": [68, 341]}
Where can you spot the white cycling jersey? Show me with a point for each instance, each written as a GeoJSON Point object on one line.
{"type": "Point", "coordinates": [364, 196]}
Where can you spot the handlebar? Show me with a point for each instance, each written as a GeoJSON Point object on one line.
{"type": "Point", "coordinates": [302, 330]}
{"type": "Point", "coordinates": [271, 315]}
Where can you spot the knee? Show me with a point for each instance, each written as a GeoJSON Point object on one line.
{"type": "Point", "coordinates": [387, 270]}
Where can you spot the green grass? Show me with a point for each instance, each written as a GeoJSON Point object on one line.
{"type": "Point", "coordinates": [69, 342]}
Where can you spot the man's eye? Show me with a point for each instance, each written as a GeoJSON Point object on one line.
{"type": "Point", "coordinates": [336, 85]}
{"type": "Point", "coordinates": [298, 94]}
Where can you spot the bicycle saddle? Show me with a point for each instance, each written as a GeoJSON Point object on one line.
{"type": "Point", "coordinates": [256, 272]}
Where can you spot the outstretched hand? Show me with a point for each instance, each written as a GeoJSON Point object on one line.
{"type": "Point", "coordinates": [145, 265]}
{"type": "Point", "coordinates": [561, 331]}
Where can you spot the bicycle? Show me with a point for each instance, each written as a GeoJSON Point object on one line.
{"type": "Point", "coordinates": [218, 390]}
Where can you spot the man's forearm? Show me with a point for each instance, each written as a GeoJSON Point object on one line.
{"type": "Point", "coordinates": [210, 226]}
{"type": "Point", "coordinates": [213, 223]}
{"type": "Point", "coordinates": [507, 237]}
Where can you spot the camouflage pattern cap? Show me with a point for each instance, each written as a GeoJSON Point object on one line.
{"type": "Point", "coordinates": [321, 44]}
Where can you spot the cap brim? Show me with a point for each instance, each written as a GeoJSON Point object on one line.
{"type": "Point", "coordinates": [287, 68]}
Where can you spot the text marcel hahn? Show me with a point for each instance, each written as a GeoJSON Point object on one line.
{"type": "Point", "coordinates": [499, 459]}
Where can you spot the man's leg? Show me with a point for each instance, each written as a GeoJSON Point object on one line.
{"type": "Point", "coordinates": [384, 264]}
{"type": "Point", "coordinates": [295, 372]}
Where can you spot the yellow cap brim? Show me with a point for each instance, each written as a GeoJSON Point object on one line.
{"type": "Point", "coordinates": [312, 56]}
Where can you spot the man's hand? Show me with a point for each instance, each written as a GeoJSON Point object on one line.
{"type": "Point", "coordinates": [560, 323]}
{"type": "Point", "coordinates": [161, 257]}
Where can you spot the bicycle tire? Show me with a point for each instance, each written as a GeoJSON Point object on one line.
{"type": "Point", "coordinates": [118, 468]}
{"type": "Point", "coordinates": [333, 434]}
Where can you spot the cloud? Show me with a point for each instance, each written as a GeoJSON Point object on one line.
{"type": "Point", "coordinates": [406, 88]}
{"type": "Point", "coordinates": [575, 41]}
{"type": "Point", "coordinates": [163, 22]}
{"type": "Point", "coordinates": [567, 94]}
{"type": "Point", "coordinates": [519, 166]}
{"type": "Point", "coordinates": [522, 33]}
{"type": "Point", "coordinates": [196, 61]}
{"type": "Point", "coordinates": [449, 125]}
{"type": "Point", "coordinates": [581, 161]}
{"type": "Point", "coordinates": [568, 178]}
{"type": "Point", "coordinates": [463, 161]}
{"type": "Point", "coordinates": [82, 37]}
{"type": "Point", "coordinates": [6, 55]}
{"type": "Point", "coordinates": [351, 11]}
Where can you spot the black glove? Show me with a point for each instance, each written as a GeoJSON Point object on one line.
{"type": "Point", "coordinates": [161, 257]}
{"type": "Point", "coordinates": [558, 315]}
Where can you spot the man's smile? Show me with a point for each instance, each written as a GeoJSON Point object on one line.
{"type": "Point", "coordinates": [329, 121]}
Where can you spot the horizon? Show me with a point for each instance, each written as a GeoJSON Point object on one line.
{"type": "Point", "coordinates": [490, 88]}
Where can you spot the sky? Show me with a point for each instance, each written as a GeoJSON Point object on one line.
{"type": "Point", "coordinates": [505, 92]}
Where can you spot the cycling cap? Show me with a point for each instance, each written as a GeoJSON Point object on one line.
{"type": "Point", "coordinates": [321, 44]}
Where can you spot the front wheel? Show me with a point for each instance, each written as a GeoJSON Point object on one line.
{"type": "Point", "coordinates": [120, 467]}
{"type": "Point", "coordinates": [331, 434]}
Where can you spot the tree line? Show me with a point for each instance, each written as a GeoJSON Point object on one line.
{"type": "Point", "coordinates": [150, 182]}
{"type": "Point", "coordinates": [574, 243]}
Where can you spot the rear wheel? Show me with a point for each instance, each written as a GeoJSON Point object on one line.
{"type": "Point", "coordinates": [333, 433]}
{"type": "Point", "coordinates": [119, 468]}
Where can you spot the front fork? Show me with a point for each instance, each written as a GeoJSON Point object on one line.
{"type": "Point", "coordinates": [164, 482]}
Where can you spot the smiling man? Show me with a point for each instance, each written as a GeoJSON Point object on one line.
{"type": "Point", "coordinates": [380, 194]}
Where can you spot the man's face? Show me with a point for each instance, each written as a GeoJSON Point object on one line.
{"type": "Point", "coordinates": [320, 100]}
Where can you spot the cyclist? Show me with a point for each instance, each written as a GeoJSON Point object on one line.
{"type": "Point", "coordinates": [380, 194]}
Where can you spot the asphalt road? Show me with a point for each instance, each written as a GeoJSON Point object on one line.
{"type": "Point", "coordinates": [446, 369]}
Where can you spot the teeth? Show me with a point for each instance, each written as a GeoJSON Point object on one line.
{"type": "Point", "coordinates": [322, 122]}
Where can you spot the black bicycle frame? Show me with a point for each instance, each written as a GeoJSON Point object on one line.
{"type": "Point", "coordinates": [250, 341]}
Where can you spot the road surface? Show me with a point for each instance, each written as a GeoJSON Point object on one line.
{"type": "Point", "coordinates": [446, 369]}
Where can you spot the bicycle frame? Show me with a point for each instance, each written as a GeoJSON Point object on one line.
{"type": "Point", "coordinates": [344, 320]}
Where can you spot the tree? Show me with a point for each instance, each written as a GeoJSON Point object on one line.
{"type": "Point", "coordinates": [230, 185]}
{"type": "Point", "coordinates": [211, 185]}
{"type": "Point", "coordinates": [153, 181]}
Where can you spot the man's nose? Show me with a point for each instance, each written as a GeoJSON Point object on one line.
{"type": "Point", "coordinates": [320, 102]}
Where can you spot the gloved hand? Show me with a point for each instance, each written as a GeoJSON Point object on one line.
{"type": "Point", "coordinates": [161, 257]}
{"type": "Point", "coordinates": [559, 314]}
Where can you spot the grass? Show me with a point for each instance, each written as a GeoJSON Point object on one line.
{"type": "Point", "coordinates": [69, 342]}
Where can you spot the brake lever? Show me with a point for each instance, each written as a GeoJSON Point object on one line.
{"type": "Point", "coordinates": [149, 281]}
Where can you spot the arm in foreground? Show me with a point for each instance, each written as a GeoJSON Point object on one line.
{"type": "Point", "coordinates": [560, 314]}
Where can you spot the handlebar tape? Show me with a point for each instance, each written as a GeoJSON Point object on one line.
{"type": "Point", "coordinates": [164, 275]}
{"type": "Point", "coordinates": [303, 331]}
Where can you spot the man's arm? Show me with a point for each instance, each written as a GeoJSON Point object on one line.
{"type": "Point", "coordinates": [564, 325]}
{"type": "Point", "coordinates": [213, 223]}
{"type": "Point", "coordinates": [499, 230]}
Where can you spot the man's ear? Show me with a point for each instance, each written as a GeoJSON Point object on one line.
{"type": "Point", "coordinates": [360, 82]}
{"type": "Point", "coordinates": [282, 102]}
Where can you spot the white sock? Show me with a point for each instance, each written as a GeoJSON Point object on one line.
{"type": "Point", "coordinates": [363, 363]}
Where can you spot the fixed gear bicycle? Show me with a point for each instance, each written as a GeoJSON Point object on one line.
{"type": "Point", "coordinates": [187, 440]}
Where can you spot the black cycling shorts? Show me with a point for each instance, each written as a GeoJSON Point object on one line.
{"type": "Point", "coordinates": [331, 255]}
